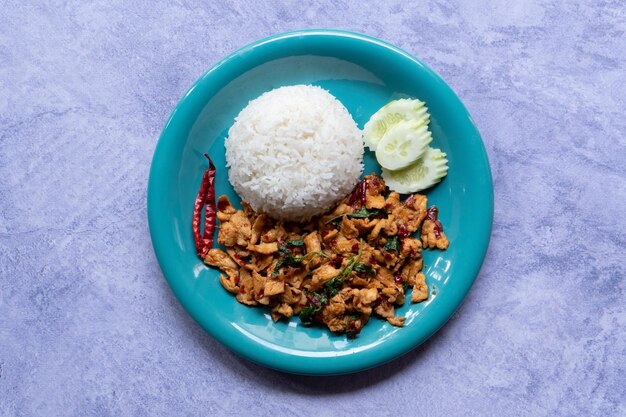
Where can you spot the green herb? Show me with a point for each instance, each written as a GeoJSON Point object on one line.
{"type": "Point", "coordinates": [316, 304]}
{"type": "Point", "coordinates": [279, 264]}
{"type": "Point", "coordinates": [405, 285]}
{"type": "Point", "coordinates": [361, 267]}
{"type": "Point", "coordinates": [289, 259]}
{"type": "Point", "coordinates": [392, 244]}
{"type": "Point", "coordinates": [334, 284]}
{"type": "Point", "coordinates": [294, 243]}
{"type": "Point", "coordinates": [361, 213]}
{"type": "Point", "coordinates": [319, 300]}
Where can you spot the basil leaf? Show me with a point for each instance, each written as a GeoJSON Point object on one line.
{"type": "Point", "coordinates": [334, 285]}
{"type": "Point", "coordinates": [362, 213]}
{"type": "Point", "coordinates": [295, 242]}
{"type": "Point", "coordinates": [277, 267]}
{"type": "Point", "coordinates": [316, 304]}
{"type": "Point", "coordinates": [392, 244]}
{"type": "Point", "coordinates": [361, 267]}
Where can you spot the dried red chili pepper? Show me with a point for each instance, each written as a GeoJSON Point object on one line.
{"type": "Point", "coordinates": [358, 194]}
{"type": "Point", "coordinates": [433, 215]}
{"type": "Point", "coordinates": [403, 231]}
{"type": "Point", "coordinates": [206, 199]}
{"type": "Point", "coordinates": [363, 192]}
{"type": "Point", "coordinates": [355, 194]}
{"type": "Point", "coordinates": [337, 261]}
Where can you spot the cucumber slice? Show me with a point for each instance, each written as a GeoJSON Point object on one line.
{"type": "Point", "coordinates": [403, 144]}
{"type": "Point", "coordinates": [390, 115]}
{"type": "Point", "coordinates": [422, 174]}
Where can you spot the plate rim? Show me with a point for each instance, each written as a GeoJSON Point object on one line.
{"type": "Point", "coordinates": [285, 361]}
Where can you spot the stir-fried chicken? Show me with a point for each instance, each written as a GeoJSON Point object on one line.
{"type": "Point", "coordinates": [338, 269]}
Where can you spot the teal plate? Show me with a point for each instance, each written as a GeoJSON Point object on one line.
{"type": "Point", "coordinates": [364, 74]}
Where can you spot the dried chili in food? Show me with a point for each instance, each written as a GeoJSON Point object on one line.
{"type": "Point", "coordinates": [205, 199]}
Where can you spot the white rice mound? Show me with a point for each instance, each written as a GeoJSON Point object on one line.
{"type": "Point", "coordinates": [293, 152]}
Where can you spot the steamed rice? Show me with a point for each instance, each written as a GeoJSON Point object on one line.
{"type": "Point", "coordinates": [293, 152]}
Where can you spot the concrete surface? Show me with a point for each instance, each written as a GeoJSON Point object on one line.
{"type": "Point", "coordinates": [88, 325]}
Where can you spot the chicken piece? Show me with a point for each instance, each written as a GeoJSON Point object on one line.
{"type": "Point", "coordinates": [391, 293]}
{"type": "Point", "coordinates": [291, 295]}
{"type": "Point", "coordinates": [391, 227]}
{"type": "Point", "coordinates": [356, 282]}
{"type": "Point", "coordinates": [264, 248]}
{"type": "Point", "coordinates": [312, 242]}
{"type": "Point", "coordinates": [392, 202]}
{"type": "Point", "coordinates": [364, 300]}
{"type": "Point", "coordinates": [400, 297]}
{"type": "Point", "coordinates": [419, 263]}
{"type": "Point", "coordinates": [374, 201]}
{"type": "Point", "coordinates": [336, 307]}
{"type": "Point", "coordinates": [246, 288]}
{"type": "Point", "coordinates": [396, 321]}
{"type": "Point", "coordinates": [417, 202]}
{"type": "Point", "coordinates": [302, 302]}
{"type": "Point", "coordinates": [379, 257]}
{"type": "Point", "coordinates": [281, 310]}
{"type": "Point", "coordinates": [258, 285]}
{"type": "Point", "coordinates": [257, 228]}
{"type": "Point", "coordinates": [219, 259]}
{"type": "Point", "coordinates": [420, 289]}
{"type": "Point", "coordinates": [296, 278]}
{"type": "Point", "coordinates": [345, 246]}
{"type": "Point", "coordinates": [385, 277]}
{"type": "Point", "coordinates": [342, 208]}
{"type": "Point", "coordinates": [336, 324]}
{"type": "Point", "coordinates": [229, 283]}
{"type": "Point", "coordinates": [365, 225]}
{"type": "Point", "coordinates": [247, 209]}
{"type": "Point", "coordinates": [273, 287]}
{"type": "Point", "coordinates": [367, 254]}
{"type": "Point", "coordinates": [330, 235]}
{"type": "Point", "coordinates": [348, 228]}
{"type": "Point", "coordinates": [411, 248]}
{"type": "Point", "coordinates": [241, 257]}
{"type": "Point", "coordinates": [236, 231]}
{"type": "Point", "coordinates": [224, 209]}
{"type": "Point", "coordinates": [380, 225]}
{"type": "Point", "coordinates": [430, 238]}
{"type": "Point", "coordinates": [263, 261]}
{"type": "Point", "coordinates": [411, 214]}
{"type": "Point", "coordinates": [410, 271]}
{"type": "Point", "coordinates": [322, 275]}
{"type": "Point", "coordinates": [275, 234]}
{"type": "Point", "coordinates": [385, 309]}
{"type": "Point", "coordinates": [347, 294]}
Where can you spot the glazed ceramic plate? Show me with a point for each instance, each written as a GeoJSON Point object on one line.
{"type": "Point", "coordinates": [364, 74]}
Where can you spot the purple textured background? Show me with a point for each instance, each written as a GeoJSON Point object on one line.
{"type": "Point", "coordinates": [88, 326]}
